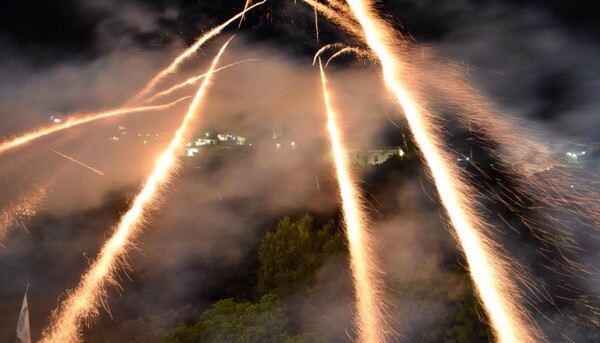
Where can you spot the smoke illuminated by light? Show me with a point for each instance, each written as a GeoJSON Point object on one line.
{"type": "Point", "coordinates": [371, 319]}
{"type": "Point", "coordinates": [82, 303]}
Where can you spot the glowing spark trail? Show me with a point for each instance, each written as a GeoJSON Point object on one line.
{"type": "Point", "coordinates": [83, 302]}
{"type": "Point", "coordinates": [76, 121]}
{"type": "Point", "coordinates": [340, 17]}
{"type": "Point", "coordinates": [78, 162]}
{"type": "Point", "coordinates": [192, 80]}
{"type": "Point", "coordinates": [248, 3]}
{"type": "Point", "coordinates": [327, 47]}
{"type": "Point", "coordinates": [189, 52]}
{"type": "Point", "coordinates": [371, 321]}
{"type": "Point", "coordinates": [489, 274]}
{"type": "Point", "coordinates": [25, 206]}
{"type": "Point", "coordinates": [356, 51]}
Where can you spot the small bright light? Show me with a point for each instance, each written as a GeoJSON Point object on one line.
{"type": "Point", "coordinates": [293, 143]}
{"type": "Point", "coordinates": [56, 120]}
{"type": "Point", "coordinates": [207, 134]}
{"type": "Point", "coordinates": [568, 154]}
{"type": "Point", "coordinates": [583, 152]}
{"type": "Point", "coordinates": [278, 145]}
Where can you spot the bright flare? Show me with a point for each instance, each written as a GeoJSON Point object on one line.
{"type": "Point", "coordinates": [188, 53]}
{"type": "Point", "coordinates": [76, 121]}
{"type": "Point", "coordinates": [371, 319]}
{"type": "Point", "coordinates": [489, 273]}
{"type": "Point", "coordinates": [83, 302]}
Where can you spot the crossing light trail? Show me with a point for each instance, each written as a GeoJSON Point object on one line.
{"type": "Point", "coordinates": [82, 303]}
{"type": "Point", "coordinates": [371, 321]}
{"type": "Point", "coordinates": [76, 121]}
{"type": "Point", "coordinates": [77, 162]}
{"type": "Point", "coordinates": [488, 271]}
{"type": "Point", "coordinates": [188, 53]}
{"type": "Point", "coordinates": [192, 81]}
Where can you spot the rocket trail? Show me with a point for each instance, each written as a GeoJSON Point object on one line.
{"type": "Point", "coordinates": [327, 47]}
{"type": "Point", "coordinates": [348, 50]}
{"type": "Point", "coordinates": [248, 3]}
{"type": "Point", "coordinates": [189, 52]}
{"type": "Point", "coordinates": [371, 318]}
{"type": "Point", "coordinates": [338, 16]}
{"type": "Point", "coordinates": [78, 162]}
{"type": "Point", "coordinates": [76, 121]}
{"type": "Point", "coordinates": [193, 80]}
{"type": "Point", "coordinates": [83, 302]}
{"type": "Point", "coordinates": [489, 273]}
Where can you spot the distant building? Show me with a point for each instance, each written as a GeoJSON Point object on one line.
{"type": "Point", "coordinates": [375, 156]}
{"type": "Point", "coordinates": [221, 140]}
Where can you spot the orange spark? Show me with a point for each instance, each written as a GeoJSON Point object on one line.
{"type": "Point", "coordinates": [25, 206]}
{"type": "Point", "coordinates": [76, 121]}
{"type": "Point", "coordinates": [83, 302]}
{"type": "Point", "coordinates": [192, 80]}
{"type": "Point", "coordinates": [371, 318]}
{"type": "Point", "coordinates": [489, 273]}
{"type": "Point", "coordinates": [78, 162]}
{"type": "Point", "coordinates": [189, 52]}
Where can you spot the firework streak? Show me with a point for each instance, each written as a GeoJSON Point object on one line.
{"type": "Point", "coordinates": [371, 324]}
{"type": "Point", "coordinates": [76, 121]}
{"type": "Point", "coordinates": [188, 53]}
{"type": "Point", "coordinates": [487, 269]}
{"type": "Point", "coordinates": [82, 303]}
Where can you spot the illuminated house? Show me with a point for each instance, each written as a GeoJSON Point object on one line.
{"type": "Point", "coordinates": [375, 156]}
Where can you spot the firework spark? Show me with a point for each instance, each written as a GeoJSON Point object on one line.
{"type": "Point", "coordinates": [77, 162]}
{"type": "Point", "coordinates": [489, 273]}
{"type": "Point", "coordinates": [25, 206]}
{"type": "Point", "coordinates": [76, 121]}
{"type": "Point", "coordinates": [371, 319]}
{"type": "Point", "coordinates": [188, 53]}
{"type": "Point", "coordinates": [192, 81]}
{"type": "Point", "coordinates": [83, 302]}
